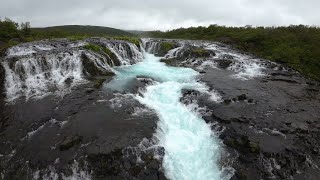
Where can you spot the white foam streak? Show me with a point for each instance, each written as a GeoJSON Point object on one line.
{"type": "Point", "coordinates": [191, 148]}
{"type": "Point", "coordinates": [51, 173]}
{"type": "Point", "coordinates": [127, 53]}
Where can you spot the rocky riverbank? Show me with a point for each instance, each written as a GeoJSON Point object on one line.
{"type": "Point", "coordinates": [269, 115]}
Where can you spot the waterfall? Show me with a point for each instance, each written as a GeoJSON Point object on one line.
{"type": "Point", "coordinates": [127, 53]}
{"type": "Point", "coordinates": [34, 76]}
{"type": "Point", "coordinates": [152, 47]}
{"type": "Point", "coordinates": [174, 52]}
{"type": "Point", "coordinates": [34, 70]}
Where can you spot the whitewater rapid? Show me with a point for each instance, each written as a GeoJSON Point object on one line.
{"type": "Point", "coordinates": [191, 147]}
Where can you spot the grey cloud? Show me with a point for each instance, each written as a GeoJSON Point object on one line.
{"type": "Point", "coordinates": [164, 14]}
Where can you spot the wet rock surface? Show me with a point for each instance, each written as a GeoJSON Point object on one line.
{"type": "Point", "coordinates": [89, 125]}
{"type": "Point", "coordinates": [268, 120]}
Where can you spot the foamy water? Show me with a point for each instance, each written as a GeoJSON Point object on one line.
{"type": "Point", "coordinates": [191, 147]}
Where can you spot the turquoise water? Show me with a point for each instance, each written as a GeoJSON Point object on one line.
{"type": "Point", "coordinates": [191, 148]}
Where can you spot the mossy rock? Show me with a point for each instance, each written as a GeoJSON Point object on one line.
{"type": "Point", "coordinates": [93, 47]}
{"type": "Point", "coordinates": [197, 52]}
{"type": "Point", "coordinates": [98, 82]}
{"type": "Point", "coordinates": [106, 164]}
{"type": "Point", "coordinates": [243, 144]}
{"type": "Point", "coordinates": [69, 142]}
{"type": "Point", "coordinates": [91, 70]}
{"type": "Point", "coordinates": [171, 61]}
{"type": "Point", "coordinates": [165, 47]}
{"type": "Point", "coordinates": [105, 51]}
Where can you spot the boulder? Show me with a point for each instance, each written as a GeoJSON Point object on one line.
{"type": "Point", "coordinates": [69, 142]}
{"type": "Point", "coordinates": [196, 52]}
{"type": "Point", "coordinates": [91, 70]}
{"type": "Point", "coordinates": [165, 47]}
{"type": "Point", "coordinates": [224, 63]}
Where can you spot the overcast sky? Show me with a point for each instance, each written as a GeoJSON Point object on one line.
{"type": "Point", "coordinates": [162, 14]}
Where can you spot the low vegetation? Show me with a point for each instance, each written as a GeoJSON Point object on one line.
{"type": "Point", "coordinates": [295, 46]}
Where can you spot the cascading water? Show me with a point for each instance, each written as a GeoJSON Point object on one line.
{"type": "Point", "coordinates": [127, 53]}
{"type": "Point", "coordinates": [33, 76]}
{"type": "Point", "coordinates": [34, 70]}
{"type": "Point", "coordinates": [191, 148]}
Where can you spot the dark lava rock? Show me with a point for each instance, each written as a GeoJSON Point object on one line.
{"type": "Point", "coordinates": [283, 79]}
{"type": "Point", "coordinates": [89, 90]}
{"type": "Point", "coordinates": [140, 82]}
{"type": "Point", "coordinates": [242, 97]}
{"type": "Point", "coordinates": [227, 57]}
{"type": "Point", "coordinates": [172, 61]}
{"type": "Point", "coordinates": [224, 63]}
{"type": "Point", "coordinates": [120, 164]}
{"type": "Point", "coordinates": [69, 142]}
{"type": "Point", "coordinates": [69, 80]}
{"type": "Point", "coordinates": [2, 80]}
{"type": "Point", "coordinates": [98, 82]}
{"type": "Point", "coordinates": [91, 70]}
{"type": "Point", "coordinates": [227, 101]}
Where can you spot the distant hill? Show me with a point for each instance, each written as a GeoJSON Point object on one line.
{"type": "Point", "coordinates": [84, 30]}
{"type": "Point", "coordinates": [137, 32]}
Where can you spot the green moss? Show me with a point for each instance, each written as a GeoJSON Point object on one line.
{"type": "Point", "coordinates": [198, 52]}
{"type": "Point", "coordinates": [99, 82]}
{"type": "Point", "coordinates": [93, 47]}
{"type": "Point", "coordinates": [104, 51]}
{"type": "Point", "coordinates": [99, 49]}
{"type": "Point", "coordinates": [254, 148]}
{"type": "Point", "coordinates": [108, 51]}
